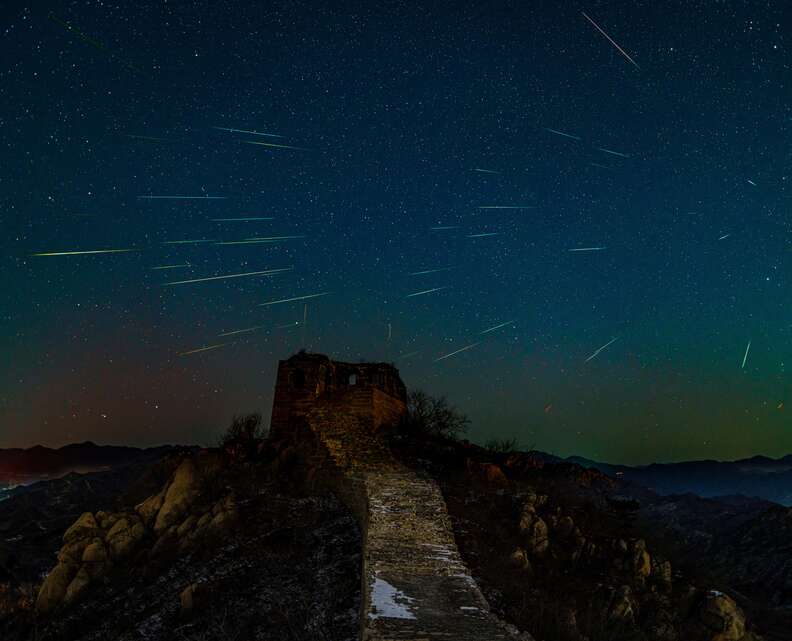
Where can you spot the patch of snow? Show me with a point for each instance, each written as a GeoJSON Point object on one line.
{"type": "Point", "coordinates": [389, 602]}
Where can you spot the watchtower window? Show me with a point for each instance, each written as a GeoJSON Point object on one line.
{"type": "Point", "coordinates": [298, 379]}
{"type": "Point", "coordinates": [353, 379]}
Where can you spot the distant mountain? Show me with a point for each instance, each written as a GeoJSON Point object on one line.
{"type": "Point", "coordinates": [23, 466]}
{"type": "Point", "coordinates": [760, 476]}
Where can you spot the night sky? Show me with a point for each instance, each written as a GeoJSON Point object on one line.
{"type": "Point", "coordinates": [415, 137]}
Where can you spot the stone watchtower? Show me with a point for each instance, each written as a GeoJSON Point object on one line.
{"type": "Point", "coordinates": [374, 392]}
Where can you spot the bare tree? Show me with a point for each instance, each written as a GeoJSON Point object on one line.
{"type": "Point", "coordinates": [433, 416]}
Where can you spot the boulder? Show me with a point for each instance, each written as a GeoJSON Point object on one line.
{"type": "Point", "coordinates": [124, 536]}
{"type": "Point", "coordinates": [519, 560]}
{"type": "Point", "coordinates": [83, 527]}
{"type": "Point", "coordinates": [54, 588]}
{"type": "Point", "coordinates": [78, 585]}
{"type": "Point", "coordinates": [622, 608]}
{"type": "Point", "coordinates": [72, 552]}
{"type": "Point", "coordinates": [149, 508]}
{"type": "Point", "coordinates": [535, 534]}
{"type": "Point", "coordinates": [95, 552]}
{"type": "Point", "coordinates": [722, 617]}
{"type": "Point", "coordinates": [180, 495]}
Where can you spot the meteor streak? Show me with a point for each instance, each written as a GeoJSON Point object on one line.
{"type": "Point", "coordinates": [611, 40]}
{"type": "Point", "coordinates": [170, 266]}
{"type": "Point", "coordinates": [467, 347]}
{"type": "Point", "coordinates": [272, 144]}
{"type": "Point", "coordinates": [289, 300]}
{"type": "Point", "coordinates": [486, 171]}
{"type": "Point", "coordinates": [491, 233]}
{"type": "Point", "coordinates": [426, 291]}
{"type": "Point", "coordinates": [253, 241]}
{"type": "Point", "coordinates": [508, 207]}
{"type": "Point", "coordinates": [561, 133]}
{"type": "Point", "coordinates": [492, 329]}
{"type": "Point", "coordinates": [241, 331]}
{"type": "Point", "coordinates": [444, 228]}
{"type": "Point", "coordinates": [408, 354]}
{"type": "Point", "coordinates": [183, 197]}
{"type": "Point", "coordinates": [601, 348]}
{"type": "Point", "coordinates": [430, 271]}
{"type": "Point", "coordinates": [745, 358]}
{"type": "Point", "coordinates": [80, 253]}
{"type": "Point", "coordinates": [612, 153]}
{"type": "Point", "coordinates": [724, 236]}
{"type": "Point", "coordinates": [587, 249]}
{"type": "Point", "coordinates": [188, 242]}
{"type": "Point", "coordinates": [202, 349]}
{"type": "Point", "coordinates": [233, 220]}
{"type": "Point", "coordinates": [751, 182]}
{"type": "Point", "coordinates": [246, 131]}
{"type": "Point", "coordinates": [266, 272]}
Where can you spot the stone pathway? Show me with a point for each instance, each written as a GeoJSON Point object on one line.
{"type": "Point", "coordinates": [416, 586]}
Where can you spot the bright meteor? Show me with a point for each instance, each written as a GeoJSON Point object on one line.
{"type": "Point", "coordinates": [464, 349]}
{"type": "Point", "coordinates": [272, 144]}
{"type": "Point", "coordinates": [81, 253]}
{"type": "Point", "coordinates": [492, 329]}
{"type": "Point", "coordinates": [289, 300]}
{"type": "Point", "coordinates": [601, 348]}
{"type": "Point", "coordinates": [611, 40]}
{"type": "Point", "coordinates": [202, 349]}
{"type": "Point", "coordinates": [266, 272]}
{"type": "Point", "coordinates": [426, 291]}
{"type": "Point", "coordinates": [246, 131]}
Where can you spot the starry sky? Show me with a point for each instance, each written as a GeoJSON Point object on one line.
{"type": "Point", "coordinates": [477, 142]}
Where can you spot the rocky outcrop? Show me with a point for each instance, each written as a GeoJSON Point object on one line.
{"type": "Point", "coordinates": [175, 520]}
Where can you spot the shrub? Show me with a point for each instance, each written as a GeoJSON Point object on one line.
{"type": "Point", "coordinates": [433, 416]}
{"type": "Point", "coordinates": [242, 438]}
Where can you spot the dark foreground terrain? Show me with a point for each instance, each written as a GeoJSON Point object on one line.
{"type": "Point", "coordinates": [242, 544]}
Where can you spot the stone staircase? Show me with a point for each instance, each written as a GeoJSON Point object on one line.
{"type": "Point", "coordinates": [415, 585]}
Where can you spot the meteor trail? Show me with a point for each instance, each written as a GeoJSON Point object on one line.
{"type": "Point", "coordinates": [183, 197]}
{"type": "Point", "coordinates": [612, 153]}
{"type": "Point", "coordinates": [189, 242]}
{"type": "Point", "coordinates": [561, 133]}
{"type": "Point", "coordinates": [587, 249]}
{"type": "Point", "coordinates": [467, 347]}
{"type": "Point", "coordinates": [408, 354]}
{"type": "Point", "coordinates": [246, 131]}
{"type": "Point", "coordinates": [751, 182]}
{"type": "Point", "coordinates": [241, 331]}
{"type": "Point", "coordinates": [430, 271]}
{"type": "Point", "coordinates": [262, 239]}
{"type": "Point", "coordinates": [426, 291]}
{"type": "Point", "coordinates": [289, 300]}
{"type": "Point", "coordinates": [491, 233]}
{"type": "Point", "coordinates": [202, 349]}
{"type": "Point", "coordinates": [611, 40]}
{"type": "Point", "coordinates": [232, 220]}
{"type": "Point", "coordinates": [170, 266]}
{"type": "Point", "coordinates": [272, 144]}
{"type": "Point", "coordinates": [486, 171]}
{"type": "Point", "coordinates": [724, 236]}
{"type": "Point", "coordinates": [266, 272]}
{"type": "Point", "coordinates": [508, 207]}
{"type": "Point", "coordinates": [444, 228]}
{"type": "Point", "coordinates": [745, 358]}
{"type": "Point", "coordinates": [492, 329]}
{"type": "Point", "coordinates": [80, 253]}
{"type": "Point", "coordinates": [601, 348]}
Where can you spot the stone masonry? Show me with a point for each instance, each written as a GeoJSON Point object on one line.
{"type": "Point", "coordinates": [415, 584]}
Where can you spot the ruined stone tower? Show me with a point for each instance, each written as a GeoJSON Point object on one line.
{"type": "Point", "coordinates": [374, 392]}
